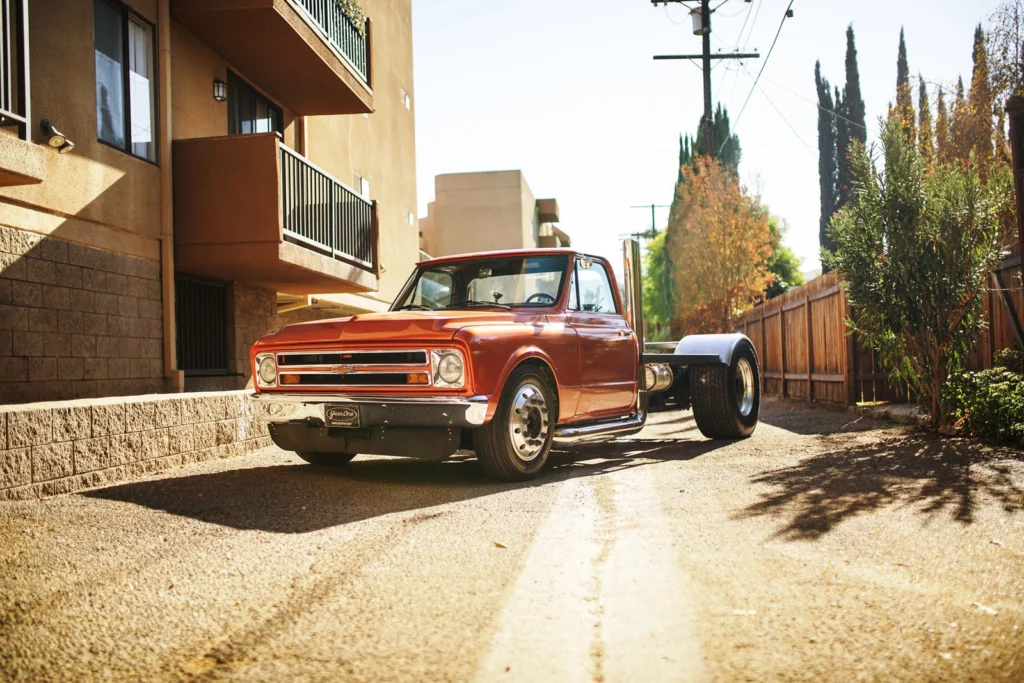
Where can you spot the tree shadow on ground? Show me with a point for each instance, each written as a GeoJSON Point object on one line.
{"type": "Point", "coordinates": [802, 418]}
{"type": "Point", "coordinates": [930, 474]}
{"type": "Point", "coordinates": [298, 498]}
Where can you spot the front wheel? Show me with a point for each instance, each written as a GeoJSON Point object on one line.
{"type": "Point", "coordinates": [326, 459]}
{"type": "Point", "coordinates": [727, 398]}
{"type": "Point", "coordinates": [515, 444]}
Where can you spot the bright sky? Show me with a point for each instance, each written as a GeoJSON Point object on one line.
{"type": "Point", "coordinates": [567, 91]}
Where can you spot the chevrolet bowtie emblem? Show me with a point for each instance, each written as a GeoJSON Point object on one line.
{"type": "Point", "coordinates": [341, 369]}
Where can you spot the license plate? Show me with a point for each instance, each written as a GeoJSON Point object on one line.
{"type": "Point", "coordinates": [342, 416]}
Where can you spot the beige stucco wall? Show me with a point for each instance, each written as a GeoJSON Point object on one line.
{"type": "Point", "coordinates": [97, 195]}
{"type": "Point", "coordinates": [381, 147]}
{"type": "Point", "coordinates": [480, 212]}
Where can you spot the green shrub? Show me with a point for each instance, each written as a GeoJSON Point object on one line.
{"type": "Point", "coordinates": [1011, 359]}
{"type": "Point", "coordinates": [989, 403]}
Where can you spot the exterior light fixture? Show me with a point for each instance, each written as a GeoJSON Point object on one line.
{"type": "Point", "coordinates": [54, 138]}
{"type": "Point", "coordinates": [220, 90]}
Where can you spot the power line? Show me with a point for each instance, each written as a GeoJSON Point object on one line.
{"type": "Point", "coordinates": [763, 65]}
{"type": "Point", "coordinates": [809, 101]}
{"type": "Point", "coordinates": [752, 25]}
{"type": "Point", "coordinates": [781, 115]}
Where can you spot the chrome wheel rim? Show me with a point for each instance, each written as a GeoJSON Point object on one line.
{"type": "Point", "coordinates": [528, 424]}
{"type": "Point", "coordinates": [744, 387]}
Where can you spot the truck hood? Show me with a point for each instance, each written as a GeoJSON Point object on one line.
{"type": "Point", "coordinates": [419, 326]}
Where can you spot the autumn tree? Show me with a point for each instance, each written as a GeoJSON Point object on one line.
{"type": "Point", "coordinates": [1005, 43]}
{"type": "Point", "coordinates": [981, 106]}
{"type": "Point", "coordinates": [721, 233]}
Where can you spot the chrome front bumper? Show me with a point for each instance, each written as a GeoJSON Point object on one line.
{"type": "Point", "coordinates": [374, 411]}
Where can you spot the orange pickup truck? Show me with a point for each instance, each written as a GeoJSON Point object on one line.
{"type": "Point", "coordinates": [500, 353]}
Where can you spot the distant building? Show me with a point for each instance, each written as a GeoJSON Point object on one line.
{"type": "Point", "coordinates": [486, 211]}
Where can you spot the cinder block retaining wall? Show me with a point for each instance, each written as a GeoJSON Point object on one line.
{"type": "Point", "coordinates": [53, 448]}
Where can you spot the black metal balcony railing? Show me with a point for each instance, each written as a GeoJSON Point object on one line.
{"type": "Point", "coordinates": [324, 215]}
{"type": "Point", "coordinates": [14, 81]}
{"type": "Point", "coordinates": [341, 32]}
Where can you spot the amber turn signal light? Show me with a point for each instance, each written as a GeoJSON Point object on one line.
{"type": "Point", "coordinates": [289, 379]}
{"type": "Point", "coordinates": [416, 378]}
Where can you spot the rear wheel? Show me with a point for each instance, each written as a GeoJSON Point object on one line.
{"type": "Point", "coordinates": [326, 459]}
{"type": "Point", "coordinates": [515, 444]}
{"type": "Point", "coordinates": [727, 398]}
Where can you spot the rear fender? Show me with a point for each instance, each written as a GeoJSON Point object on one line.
{"type": "Point", "coordinates": [721, 345]}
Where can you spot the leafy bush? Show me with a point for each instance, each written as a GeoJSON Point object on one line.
{"type": "Point", "coordinates": [989, 403]}
{"type": "Point", "coordinates": [1011, 359]}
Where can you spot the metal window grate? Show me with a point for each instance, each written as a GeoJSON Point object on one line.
{"type": "Point", "coordinates": [202, 323]}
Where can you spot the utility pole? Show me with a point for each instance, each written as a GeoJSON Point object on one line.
{"type": "Point", "coordinates": [709, 129]}
{"type": "Point", "coordinates": [702, 26]}
{"type": "Point", "coordinates": [654, 221]}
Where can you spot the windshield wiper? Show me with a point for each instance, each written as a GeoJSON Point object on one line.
{"type": "Point", "coordinates": [474, 303]}
{"type": "Point", "coordinates": [414, 307]}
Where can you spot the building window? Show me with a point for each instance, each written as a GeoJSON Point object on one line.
{"type": "Point", "coordinates": [249, 111]}
{"type": "Point", "coordinates": [361, 185]}
{"type": "Point", "coordinates": [409, 216]}
{"type": "Point", "coordinates": [125, 63]}
{"type": "Point", "coordinates": [406, 101]}
{"type": "Point", "coordinates": [201, 312]}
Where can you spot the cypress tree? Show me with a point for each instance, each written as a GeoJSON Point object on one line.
{"type": "Point", "coordinates": [843, 177]}
{"type": "Point", "coordinates": [959, 127]}
{"type": "Point", "coordinates": [904, 100]}
{"type": "Point", "coordinates": [827, 170]}
{"type": "Point", "coordinates": [981, 103]}
{"type": "Point", "coordinates": [853, 105]}
{"type": "Point", "coordinates": [726, 143]}
{"type": "Point", "coordinates": [924, 126]}
{"type": "Point", "coordinates": [942, 130]}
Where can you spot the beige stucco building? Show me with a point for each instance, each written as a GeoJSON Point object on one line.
{"type": "Point", "coordinates": [233, 162]}
{"type": "Point", "coordinates": [487, 211]}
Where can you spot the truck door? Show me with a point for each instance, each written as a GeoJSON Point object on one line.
{"type": "Point", "coordinates": [607, 347]}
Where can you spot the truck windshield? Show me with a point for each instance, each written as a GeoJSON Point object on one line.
{"type": "Point", "coordinates": [526, 281]}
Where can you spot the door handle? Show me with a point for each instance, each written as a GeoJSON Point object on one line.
{"type": "Point", "coordinates": [625, 333]}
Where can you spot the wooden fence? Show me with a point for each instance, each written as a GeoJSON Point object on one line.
{"type": "Point", "coordinates": [805, 351]}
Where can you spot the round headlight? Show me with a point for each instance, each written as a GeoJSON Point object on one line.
{"type": "Point", "coordinates": [449, 368]}
{"type": "Point", "coordinates": [268, 370]}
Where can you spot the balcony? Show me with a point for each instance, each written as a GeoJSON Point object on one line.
{"type": "Point", "coordinates": [21, 161]}
{"type": "Point", "coordinates": [250, 209]}
{"type": "Point", "coordinates": [306, 54]}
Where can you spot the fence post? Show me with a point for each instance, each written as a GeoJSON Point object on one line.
{"type": "Point", "coordinates": [810, 348]}
{"type": "Point", "coordinates": [764, 346]}
{"type": "Point", "coordinates": [850, 385]}
{"type": "Point", "coordinates": [782, 339]}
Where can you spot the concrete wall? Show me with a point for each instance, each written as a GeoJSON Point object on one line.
{"type": "Point", "coordinates": [480, 212]}
{"type": "Point", "coordinates": [53, 448]}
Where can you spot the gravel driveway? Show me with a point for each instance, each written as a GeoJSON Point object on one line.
{"type": "Point", "coordinates": [826, 547]}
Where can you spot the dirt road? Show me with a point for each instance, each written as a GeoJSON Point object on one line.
{"type": "Point", "coordinates": [824, 548]}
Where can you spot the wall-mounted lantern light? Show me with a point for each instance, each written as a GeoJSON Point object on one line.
{"type": "Point", "coordinates": [220, 90]}
{"type": "Point", "coordinates": [54, 138]}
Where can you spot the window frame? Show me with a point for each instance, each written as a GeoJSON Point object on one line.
{"type": "Point", "coordinates": [127, 13]}
{"type": "Point", "coordinates": [235, 77]}
{"type": "Point", "coordinates": [608, 281]}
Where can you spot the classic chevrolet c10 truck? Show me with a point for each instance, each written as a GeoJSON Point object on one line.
{"type": "Point", "coordinates": [502, 353]}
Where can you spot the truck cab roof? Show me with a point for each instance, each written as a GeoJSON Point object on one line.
{"type": "Point", "coordinates": [505, 253]}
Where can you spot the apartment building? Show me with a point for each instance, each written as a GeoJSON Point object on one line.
{"type": "Point", "coordinates": [178, 178]}
{"type": "Point", "coordinates": [229, 158]}
{"type": "Point", "coordinates": [485, 211]}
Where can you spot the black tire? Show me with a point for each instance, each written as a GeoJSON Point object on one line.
{"type": "Point", "coordinates": [498, 455]}
{"type": "Point", "coordinates": [326, 459]}
{"type": "Point", "coordinates": [716, 392]}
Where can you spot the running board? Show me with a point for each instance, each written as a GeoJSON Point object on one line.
{"type": "Point", "coordinates": [570, 434]}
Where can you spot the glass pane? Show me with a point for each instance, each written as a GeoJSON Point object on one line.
{"type": "Point", "coordinates": [595, 290]}
{"type": "Point", "coordinates": [141, 83]}
{"type": "Point", "coordinates": [433, 290]}
{"type": "Point", "coordinates": [249, 111]}
{"type": "Point", "coordinates": [109, 74]}
{"type": "Point", "coordinates": [574, 298]}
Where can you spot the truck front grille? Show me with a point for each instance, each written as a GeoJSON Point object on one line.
{"type": "Point", "coordinates": [353, 358]}
{"type": "Point", "coordinates": [355, 379]}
